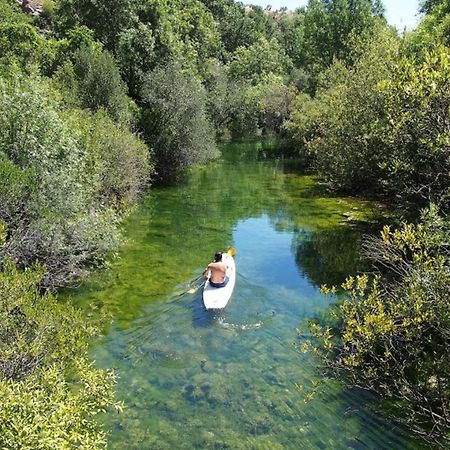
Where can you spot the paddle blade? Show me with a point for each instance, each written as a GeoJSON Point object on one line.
{"type": "Point", "coordinates": [231, 251]}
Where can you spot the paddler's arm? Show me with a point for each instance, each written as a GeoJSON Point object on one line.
{"type": "Point", "coordinates": [207, 269]}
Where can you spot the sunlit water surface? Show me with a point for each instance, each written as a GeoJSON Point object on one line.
{"type": "Point", "coordinates": [234, 379]}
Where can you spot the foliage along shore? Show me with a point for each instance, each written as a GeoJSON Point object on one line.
{"type": "Point", "coordinates": [100, 99]}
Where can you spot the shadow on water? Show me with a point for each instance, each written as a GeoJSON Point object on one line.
{"type": "Point", "coordinates": [202, 317]}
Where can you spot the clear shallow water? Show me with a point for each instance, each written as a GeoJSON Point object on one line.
{"type": "Point", "coordinates": [235, 379]}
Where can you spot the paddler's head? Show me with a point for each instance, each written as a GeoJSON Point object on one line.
{"type": "Point", "coordinates": [218, 257]}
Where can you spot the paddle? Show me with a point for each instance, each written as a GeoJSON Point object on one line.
{"type": "Point", "coordinates": [231, 251]}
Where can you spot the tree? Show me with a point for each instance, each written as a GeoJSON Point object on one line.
{"type": "Point", "coordinates": [91, 79]}
{"type": "Point", "coordinates": [263, 24]}
{"type": "Point", "coordinates": [272, 99]}
{"type": "Point", "coordinates": [435, 26]}
{"type": "Point", "coordinates": [427, 6]}
{"type": "Point", "coordinates": [260, 59]}
{"type": "Point", "coordinates": [343, 127]}
{"type": "Point", "coordinates": [136, 56]}
{"type": "Point", "coordinates": [106, 19]}
{"type": "Point", "coordinates": [174, 121]}
{"type": "Point", "coordinates": [184, 31]}
{"type": "Point", "coordinates": [326, 27]}
{"type": "Point", "coordinates": [221, 97]}
{"type": "Point", "coordinates": [235, 25]}
{"type": "Point", "coordinates": [292, 32]}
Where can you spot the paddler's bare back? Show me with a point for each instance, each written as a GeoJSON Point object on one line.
{"type": "Point", "coordinates": [218, 271]}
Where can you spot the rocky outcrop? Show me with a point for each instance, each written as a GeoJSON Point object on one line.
{"type": "Point", "coordinates": [31, 7]}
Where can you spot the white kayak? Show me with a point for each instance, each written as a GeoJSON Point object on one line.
{"type": "Point", "coordinates": [217, 297]}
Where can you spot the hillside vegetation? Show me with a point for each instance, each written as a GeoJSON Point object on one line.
{"type": "Point", "coordinates": [100, 100]}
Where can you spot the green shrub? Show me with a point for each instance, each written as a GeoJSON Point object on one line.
{"type": "Point", "coordinates": [50, 394]}
{"type": "Point", "coordinates": [244, 109]}
{"type": "Point", "coordinates": [273, 100]}
{"type": "Point", "coordinates": [91, 79]}
{"type": "Point", "coordinates": [68, 176]}
{"type": "Point", "coordinates": [391, 334]}
{"type": "Point", "coordinates": [11, 12]}
{"type": "Point", "coordinates": [342, 129]}
{"type": "Point", "coordinates": [380, 126]}
{"type": "Point", "coordinates": [417, 134]}
{"type": "Point", "coordinates": [21, 43]}
{"type": "Point", "coordinates": [174, 121]}
{"type": "Point", "coordinates": [123, 160]}
{"type": "Point", "coordinates": [15, 191]}
{"type": "Point", "coordinates": [258, 61]}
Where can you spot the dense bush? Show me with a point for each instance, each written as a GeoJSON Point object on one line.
{"type": "Point", "coordinates": [273, 100]}
{"type": "Point", "coordinates": [123, 161]}
{"type": "Point", "coordinates": [260, 109]}
{"type": "Point", "coordinates": [381, 125]}
{"type": "Point", "coordinates": [50, 393]}
{"type": "Point", "coordinates": [221, 95]}
{"type": "Point", "coordinates": [416, 98]}
{"type": "Point", "coordinates": [378, 123]}
{"type": "Point", "coordinates": [342, 128]}
{"type": "Point", "coordinates": [20, 43]}
{"type": "Point", "coordinates": [245, 109]}
{"type": "Point", "coordinates": [59, 204]}
{"type": "Point", "coordinates": [174, 121]}
{"type": "Point", "coordinates": [259, 60]}
{"type": "Point", "coordinates": [391, 334]}
{"type": "Point", "coordinates": [91, 79]}
{"type": "Point", "coordinates": [11, 12]}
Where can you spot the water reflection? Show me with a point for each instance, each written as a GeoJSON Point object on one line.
{"type": "Point", "coordinates": [202, 317]}
{"type": "Point", "coordinates": [328, 256]}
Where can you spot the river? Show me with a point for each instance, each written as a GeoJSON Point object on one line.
{"type": "Point", "coordinates": [192, 379]}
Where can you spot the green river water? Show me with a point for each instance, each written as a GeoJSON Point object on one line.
{"type": "Point", "coordinates": [192, 379]}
